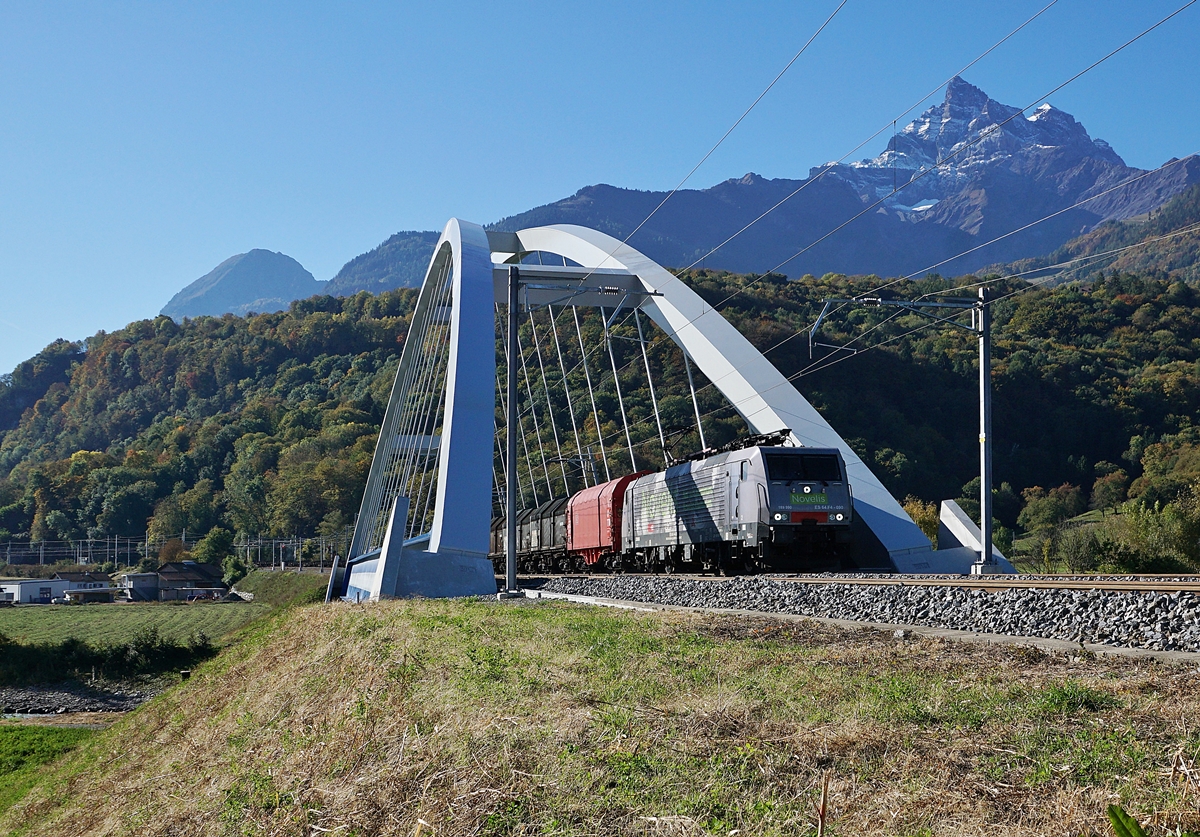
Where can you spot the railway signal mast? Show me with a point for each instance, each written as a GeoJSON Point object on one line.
{"type": "Point", "coordinates": [981, 325]}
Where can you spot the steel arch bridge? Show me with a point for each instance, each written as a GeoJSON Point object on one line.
{"type": "Point", "coordinates": [423, 527]}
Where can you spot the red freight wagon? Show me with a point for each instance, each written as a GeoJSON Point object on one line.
{"type": "Point", "coordinates": [594, 519]}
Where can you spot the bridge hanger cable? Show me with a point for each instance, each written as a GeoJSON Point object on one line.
{"type": "Point", "coordinates": [393, 451]}
{"type": "Point", "coordinates": [408, 440]}
{"type": "Point", "coordinates": [500, 428]}
{"type": "Point", "coordinates": [537, 350]}
{"type": "Point", "coordinates": [549, 404]}
{"type": "Point", "coordinates": [567, 391]}
{"type": "Point", "coordinates": [617, 385]}
{"type": "Point", "coordinates": [650, 381]}
{"type": "Point", "coordinates": [537, 425]}
{"type": "Point", "coordinates": [519, 429]}
{"type": "Point", "coordinates": [591, 393]}
{"type": "Point", "coordinates": [632, 311]}
{"type": "Point", "coordinates": [502, 397]}
{"type": "Point", "coordinates": [417, 387]}
{"type": "Point", "coordinates": [500, 489]}
{"type": "Point", "coordinates": [520, 488]}
{"type": "Point", "coordinates": [687, 364]}
{"type": "Point", "coordinates": [430, 428]}
{"type": "Point", "coordinates": [433, 399]}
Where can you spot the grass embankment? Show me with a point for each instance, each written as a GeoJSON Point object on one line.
{"type": "Point", "coordinates": [281, 589]}
{"type": "Point", "coordinates": [24, 749]}
{"type": "Point", "coordinates": [504, 719]}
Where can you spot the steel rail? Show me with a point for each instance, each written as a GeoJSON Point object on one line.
{"type": "Point", "coordinates": [1141, 584]}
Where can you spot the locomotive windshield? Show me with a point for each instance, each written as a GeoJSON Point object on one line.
{"type": "Point", "coordinates": [822, 467]}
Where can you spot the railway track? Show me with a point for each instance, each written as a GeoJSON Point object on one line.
{"type": "Point", "coordinates": [1138, 584]}
{"type": "Point", "coordinates": [1155, 613]}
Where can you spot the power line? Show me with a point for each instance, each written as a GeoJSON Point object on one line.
{"type": "Point", "coordinates": [1044, 218]}
{"type": "Point", "coordinates": [855, 149]}
{"type": "Point", "coordinates": [725, 136]}
{"type": "Point", "coordinates": [822, 365]}
{"type": "Point", "coordinates": [1075, 205]}
{"type": "Point", "coordinates": [983, 135]}
{"type": "Point", "coordinates": [986, 133]}
{"type": "Point", "coordinates": [902, 114]}
{"type": "Point", "coordinates": [943, 162]}
{"type": "Point", "coordinates": [1059, 268]}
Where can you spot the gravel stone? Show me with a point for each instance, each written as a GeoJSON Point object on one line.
{"type": "Point", "coordinates": [1130, 619]}
{"type": "Point", "coordinates": [67, 697]}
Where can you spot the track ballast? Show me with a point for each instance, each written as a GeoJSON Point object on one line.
{"type": "Point", "coordinates": [1155, 613]}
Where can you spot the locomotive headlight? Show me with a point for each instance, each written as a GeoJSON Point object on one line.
{"type": "Point", "coordinates": [839, 516]}
{"type": "Point", "coordinates": [778, 516]}
{"type": "Point", "coordinates": [808, 489]}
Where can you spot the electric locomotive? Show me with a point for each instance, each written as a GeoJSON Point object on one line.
{"type": "Point", "coordinates": [752, 506]}
{"type": "Point", "coordinates": [759, 508]}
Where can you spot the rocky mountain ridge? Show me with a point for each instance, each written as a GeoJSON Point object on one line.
{"type": "Point", "coordinates": [948, 163]}
{"type": "Point", "coordinates": [970, 175]}
{"type": "Point", "coordinates": [968, 170]}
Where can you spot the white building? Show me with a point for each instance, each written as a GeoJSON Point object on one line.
{"type": "Point", "coordinates": [32, 590]}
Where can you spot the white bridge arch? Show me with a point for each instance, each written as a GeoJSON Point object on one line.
{"type": "Point", "coordinates": [400, 549]}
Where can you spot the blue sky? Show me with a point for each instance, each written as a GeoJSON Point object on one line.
{"type": "Point", "coordinates": [143, 143]}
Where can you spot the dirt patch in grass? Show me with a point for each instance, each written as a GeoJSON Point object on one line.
{"type": "Point", "coordinates": [85, 720]}
{"type": "Point", "coordinates": [553, 718]}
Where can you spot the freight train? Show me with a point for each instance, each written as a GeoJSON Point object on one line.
{"type": "Point", "coordinates": [753, 506]}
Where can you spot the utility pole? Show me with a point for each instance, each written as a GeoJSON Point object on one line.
{"type": "Point", "coordinates": [981, 325]}
{"type": "Point", "coordinates": [983, 315]}
{"type": "Point", "coordinates": [510, 436]}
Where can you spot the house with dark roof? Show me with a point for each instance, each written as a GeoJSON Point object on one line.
{"type": "Point", "coordinates": [187, 580]}
{"type": "Point", "coordinates": [85, 581]}
{"type": "Point", "coordinates": [172, 582]}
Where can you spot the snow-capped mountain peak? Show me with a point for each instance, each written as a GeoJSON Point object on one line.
{"type": "Point", "coordinates": [952, 142]}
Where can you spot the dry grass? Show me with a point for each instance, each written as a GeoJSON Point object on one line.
{"type": "Point", "coordinates": [449, 718]}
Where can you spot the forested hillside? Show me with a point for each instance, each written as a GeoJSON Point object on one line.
{"type": "Point", "coordinates": [259, 424]}
{"type": "Point", "coordinates": [266, 424]}
{"type": "Point", "coordinates": [1166, 241]}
